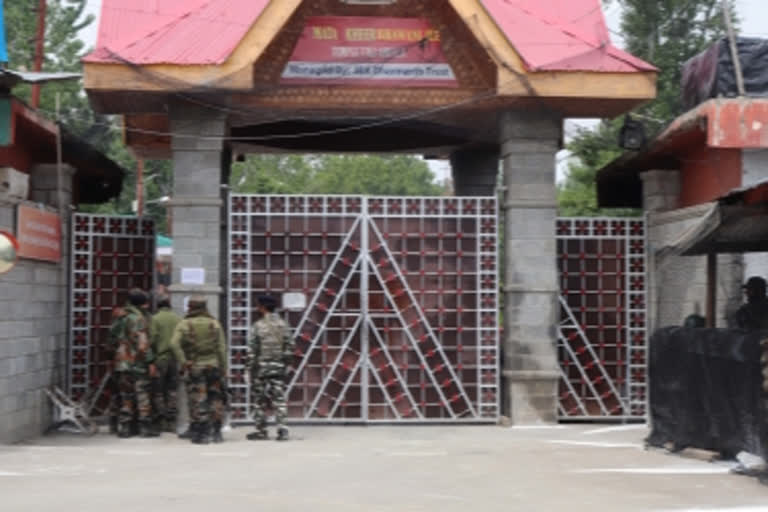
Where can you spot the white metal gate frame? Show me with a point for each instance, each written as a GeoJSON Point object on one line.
{"type": "Point", "coordinates": [633, 396]}
{"type": "Point", "coordinates": [427, 346]}
{"type": "Point", "coordinates": [86, 230]}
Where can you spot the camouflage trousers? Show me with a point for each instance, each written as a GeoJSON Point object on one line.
{"type": "Point", "coordinates": [268, 392]}
{"type": "Point", "coordinates": [115, 403]}
{"type": "Point", "coordinates": [135, 397]}
{"type": "Point", "coordinates": [204, 391]}
{"type": "Point", "coordinates": [164, 391]}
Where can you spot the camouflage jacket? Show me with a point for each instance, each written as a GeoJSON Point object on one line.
{"type": "Point", "coordinates": [271, 346]}
{"type": "Point", "coordinates": [199, 339]}
{"type": "Point", "coordinates": [133, 352]}
{"type": "Point", "coordinates": [161, 330]}
{"type": "Point", "coordinates": [116, 332]}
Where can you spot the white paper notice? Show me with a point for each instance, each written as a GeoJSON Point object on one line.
{"type": "Point", "coordinates": [294, 301]}
{"type": "Point", "coordinates": [193, 276]}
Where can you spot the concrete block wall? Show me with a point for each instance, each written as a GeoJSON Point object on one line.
{"type": "Point", "coordinates": [754, 171]}
{"type": "Point", "coordinates": [678, 286]}
{"type": "Point", "coordinates": [33, 326]}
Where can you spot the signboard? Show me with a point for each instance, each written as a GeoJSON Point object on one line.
{"type": "Point", "coordinates": [369, 51]}
{"type": "Point", "coordinates": [39, 234]}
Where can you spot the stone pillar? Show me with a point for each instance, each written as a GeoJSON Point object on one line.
{"type": "Point", "coordinates": [475, 172]}
{"type": "Point", "coordinates": [197, 205]}
{"type": "Point", "coordinates": [530, 142]}
{"type": "Point", "coordinates": [661, 190]}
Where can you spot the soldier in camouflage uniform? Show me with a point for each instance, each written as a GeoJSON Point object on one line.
{"type": "Point", "coordinates": [161, 330]}
{"type": "Point", "coordinates": [200, 348]}
{"type": "Point", "coordinates": [270, 353]}
{"type": "Point", "coordinates": [134, 362]}
{"type": "Point", "coordinates": [115, 334]}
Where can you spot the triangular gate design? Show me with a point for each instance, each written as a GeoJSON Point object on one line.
{"type": "Point", "coordinates": [389, 334]}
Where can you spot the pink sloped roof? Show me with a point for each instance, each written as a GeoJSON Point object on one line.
{"type": "Point", "coordinates": [186, 32]}
{"type": "Point", "coordinates": [550, 35]}
{"type": "Point", "coordinates": [561, 35]}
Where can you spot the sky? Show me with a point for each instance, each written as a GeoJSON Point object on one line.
{"type": "Point", "coordinates": [753, 14]}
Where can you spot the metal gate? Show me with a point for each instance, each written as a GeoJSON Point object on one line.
{"type": "Point", "coordinates": [110, 255]}
{"type": "Point", "coordinates": [602, 335]}
{"type": "Point", "coordinates": [401, 322]}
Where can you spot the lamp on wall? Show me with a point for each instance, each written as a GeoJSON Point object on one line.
{"type": "Point", "coordinates": [632, 135]}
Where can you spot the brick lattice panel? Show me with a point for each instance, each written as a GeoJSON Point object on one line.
{"type": "Point", "coordinates": [424, 345]}
{"type": "Point", "coordinates": [110, 256]}
{"type": "Point", "coordinates": [603, 332]}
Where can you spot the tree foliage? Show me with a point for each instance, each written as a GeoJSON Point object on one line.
{"type": "Point", "coordinates": [63, 52]}
{"type": "Point", "coordinates": [398, 175]}
{"type": "Point", "coordinates": [666, 33]}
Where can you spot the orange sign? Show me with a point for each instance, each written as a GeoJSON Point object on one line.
{"type": "Point", "coordinates": [39, 234]}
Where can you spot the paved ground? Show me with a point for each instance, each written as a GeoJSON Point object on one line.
{"type": "Point", "coordinates": [578, 468]}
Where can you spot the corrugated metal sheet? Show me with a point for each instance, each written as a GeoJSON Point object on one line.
{"type": "Point", "coordinates": [561, 35]}
{"type": "Point", "coordinates": [188, 32]}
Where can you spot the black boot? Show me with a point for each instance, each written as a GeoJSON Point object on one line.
{"type": "Point", "coordinates": [125, 431]}
{"type": "Point", "coordinates": [113, 425]}
{"type": "Point", "coordinates": [282, 434]}
{"type": "Point", "coordinates": [201, 435]}
{"type": "Point", "coordinates": [148, 430]}
{"type": "Point", "coordinates": [260, 434]}
{"type": "Point", "coordinates": [217, 438]}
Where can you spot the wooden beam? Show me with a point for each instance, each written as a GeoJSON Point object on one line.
{"type": "Point", "coordinates": [712, 290]}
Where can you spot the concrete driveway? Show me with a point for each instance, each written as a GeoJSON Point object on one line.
{"type": "Point", "coordinates": [573, 468]}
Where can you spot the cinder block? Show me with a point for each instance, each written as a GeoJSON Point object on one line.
{"type": "Point", "coordinates": [530, 125]}
{"type": "Point", "coordinates": [526, 224]}
{"type": "Point", "coordinates": [7, 216]}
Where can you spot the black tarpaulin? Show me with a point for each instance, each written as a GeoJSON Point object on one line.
{"type": "Point", "coordinates": [711, 74]}
{"type": "Point", "coordinates": [706, 390]}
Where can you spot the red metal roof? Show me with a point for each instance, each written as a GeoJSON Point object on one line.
{"type": "Point", "coordinates": [562, 35]}
{"type": "Point", "coordinates": [186, 32]}
{"type": "Point", "coordinates": [550, 35]}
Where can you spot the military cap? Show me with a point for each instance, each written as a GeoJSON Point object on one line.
{"type": "Point", "coordinates": [267, 301]}
{"type": "Point", "coordinates": [755, 283]}
{"type": "Point", "coordinates": [197, 301]}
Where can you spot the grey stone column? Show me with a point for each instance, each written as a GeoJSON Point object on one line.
{"type": "Point", "coordinates": [530, 142]}
{"type": "Point", "coordinates": [475, 172]}
{"type": "Point", "coordinates": [198, 208]}
{"type": "Point", "coordinates": [661, 190]}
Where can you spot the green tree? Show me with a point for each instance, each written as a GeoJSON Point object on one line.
{"type": "Point", "coordinates": [63, 50]}
{"type": "Point", "coordinates": [666, 33]}
{"type": "Point", "coordinates": [397, 175]}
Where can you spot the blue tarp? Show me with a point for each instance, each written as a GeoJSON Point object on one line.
{"type": "Point", "coordinates": [3, 50]}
